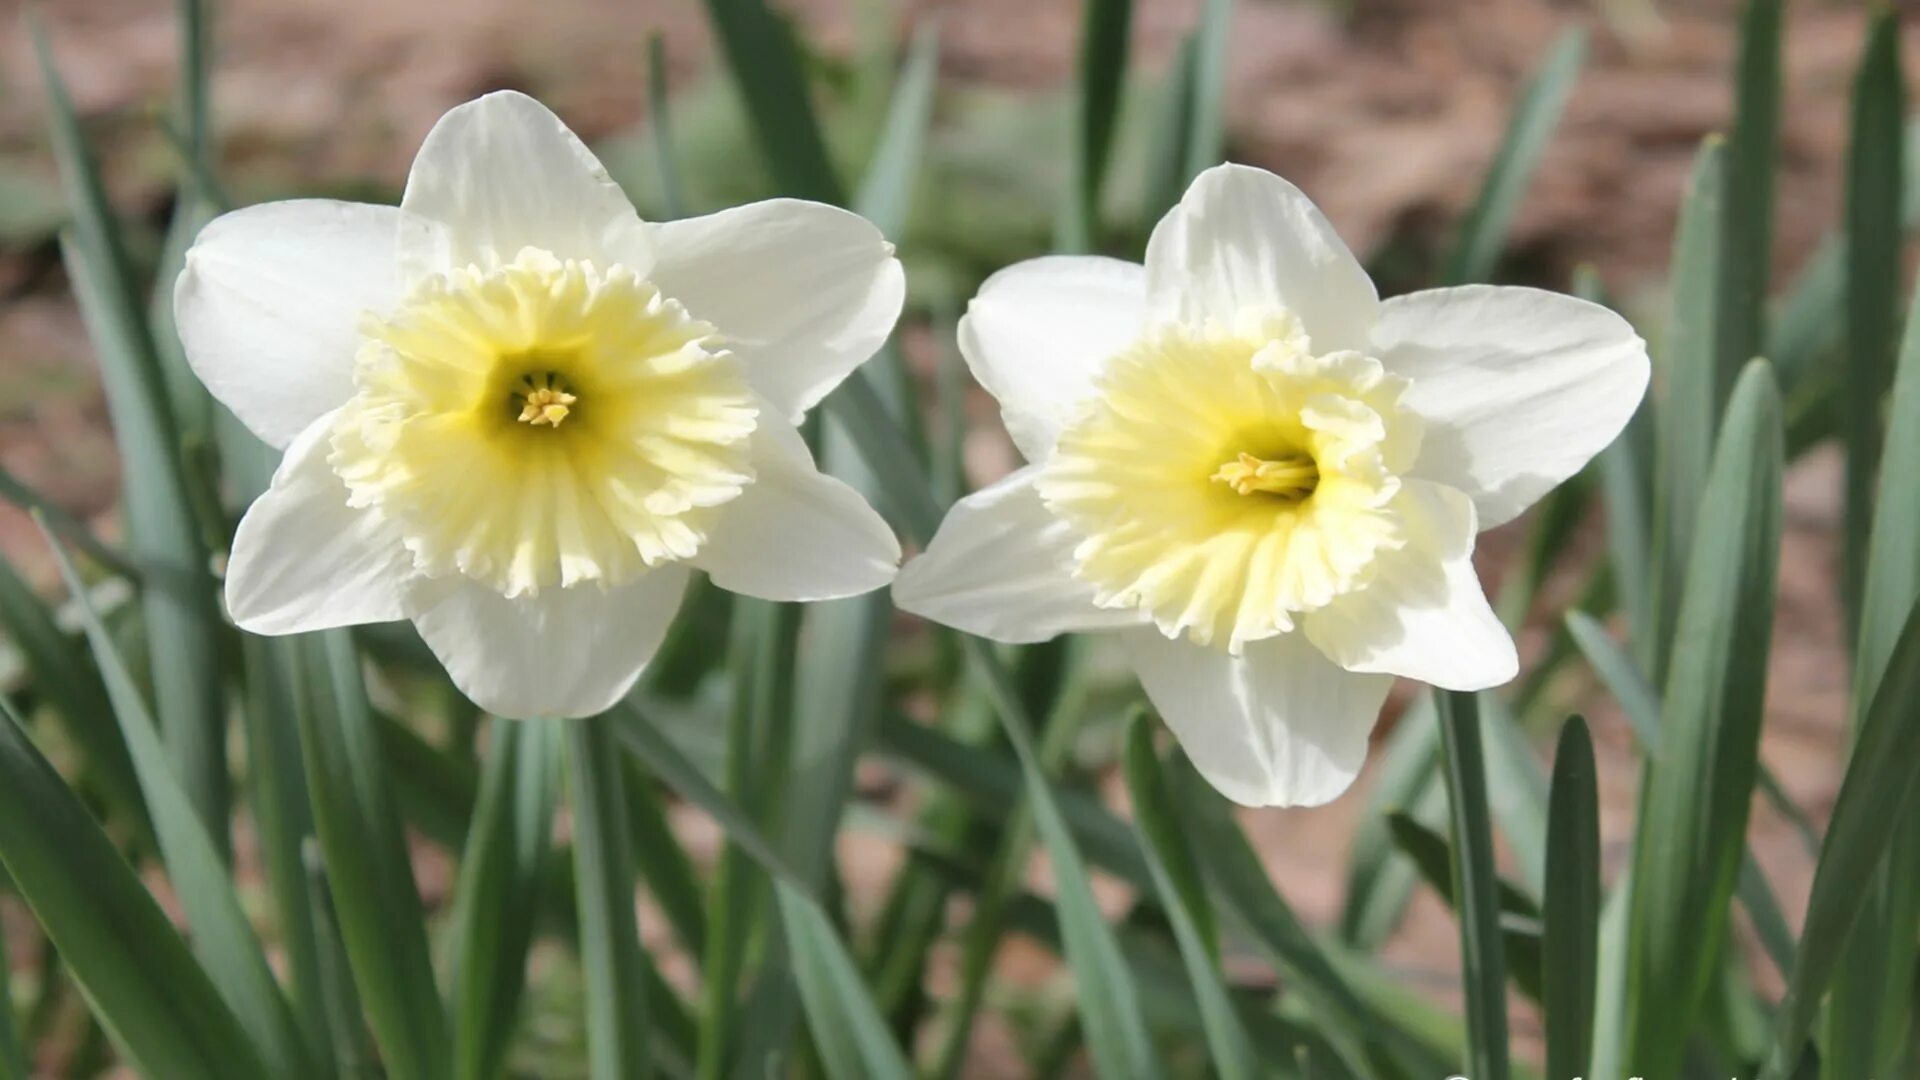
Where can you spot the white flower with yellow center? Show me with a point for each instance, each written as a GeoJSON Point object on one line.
{"type": "Point", "coordinates": [520, 416]}
{"type": "Point", "coordinates": [1264, 479]}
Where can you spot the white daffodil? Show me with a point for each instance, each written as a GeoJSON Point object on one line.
{"type": "Point", "coordinates": [1265, 480]}
{"type": "Point", "coordinates": [520, 416]}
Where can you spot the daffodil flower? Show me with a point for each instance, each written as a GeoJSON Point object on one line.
{"type": "Point", "coordinates": [519, 416]}
{"type": "Point", "coordinates": [1263, 479]}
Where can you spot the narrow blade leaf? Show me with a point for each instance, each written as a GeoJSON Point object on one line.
{"type": "Point", "coordinates": [1700, 784]}
{"type": "Point", "coordinates": [1185, 900]}
{"type": "Point", "coordinates": [1484, 233]}
{"type": "Point", "coordinates": [1570, 918]}
{"type": "Point", "coordinates": [609, 936]}
{"type": "Point", "coordinates": [1475, 887]}
{"type": "Point", "coordinates": [507, 858]}
{"type": "Point", "coordinates": [158, 1004]}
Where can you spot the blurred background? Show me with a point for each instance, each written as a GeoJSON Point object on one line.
{"type": "Point", "coordinates": [1385, 111]}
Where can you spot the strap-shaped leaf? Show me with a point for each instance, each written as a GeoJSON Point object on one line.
{"type": "Point", "coordinates": [1701, 779]}
{"type": "Point", "coordinates": [609, 937]}
{"type": "Point", "coordinates": [848, 1029]}
{"type": "Point", "coordinates": [364, 860]}
{"type": "Point", "coordinates": [1184, 898]}
{"type": "Point", "coordinates": [1876, 797]}
{"type": "Point", "coordinates": [159, 1005]}
{"type": "Point", "coordinates": [1570, 917]}
{"type": "Point", "coordinates": [498, 897]}
{"type": "Point", "coordinates": [222, 936]}
{"type": "Point", "coordinates": [177, 600]}
{"type": "Point", "coordinates": [1484, 232]}
{"type": "Point", "coordinates": [1476, 889]}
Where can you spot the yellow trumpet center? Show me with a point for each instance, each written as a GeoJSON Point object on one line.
{"type": "Point", "coordinates": [544, 401]}
{"type": "Point", "coordinates": [1292, 477]}
{"type": "Point", "coordinates": [544, 423]}
{"type": "Point", "coordinates": [1226, 479]}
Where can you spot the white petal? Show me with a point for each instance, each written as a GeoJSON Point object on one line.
{"type": "Point", "coordinates": [1001, 567]}
{"type": "Point", "coordinates": [796, 533]}
{"type": "Point", "coordinates": [1279, 725]}
{"type": "Point", "coordinates": [305, 560]}
{"type": "Point", "coordinates": [1038, 332]}
{"type": "Point", "coordinates": [1519, 387]}
{"type": "Point", "coordinates": [269, 304]}
{"type": "Point", "coordinates": [802, 292]}
{"type": "Point", "coordinates": [1423, 616]}
{"type": "Point", "coordinates": [501, 173]}
{"type": "Point", "coordinates": [1241, 240]}
{"type": "Point", "coordinates": [559, 654]}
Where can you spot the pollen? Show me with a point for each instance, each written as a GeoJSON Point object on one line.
{"type": "Point", "coordinates": [544, 423]}
{"type": "Point", "coordinates": [1292, 477]}
{"type": "Point", "coordinates": [541, 402]}
{"type": "Point", "coordinates": [1227, 480]}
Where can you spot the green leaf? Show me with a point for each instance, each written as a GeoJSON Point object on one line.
{"type": "Point", "coordinates": [886, 191]}
{"type": "Point", "coordinates": [762, 658]}
{"type": "Point", "coordinates": [222, 936]}
{"type": "Point", "coordinates": [1570, 917]}
{"type": "Point", "coordinates": [1746, 238]}
{"type": "Point", "coordinates": [1874, 161]}
{"type": "Point", "coordinates": [347, 1032]}
{"type": "Point", "coordinates": [848, 1030]}
{"type": "Point", "coordinates": [69, 528]}
{"type": "Point", "coordinates": [1104, 31]}
{"type": "Point", "coordinates": [507, 859]}
{"type": "Point", "coordinates": [177, 598]}
{"type": "Point", "coordinates": [1167, 174]}
{"type": "Point", "coordinates": [1051, 676]}
{"type": "Point", "coordinates": [195, 203]}
{"type": "Point", "coordinates": [1871, 999]}
{"type": "Point", "coordinates": [140, 981]}
{"type": "Point", "coordinates": [1243, 891]}
{"type": "Point", "coordinates": [1689, 411]}
{"type": "Point", "coordinates": [609, 937]}
{"type": "Point", "coordinates": [1876, 798]}
{"type": "Point", "coordinates": [664, 759]}
{"type": "Point", "coordinates": [368, 873]}
{"type": "Point", "coordinates": [283, 825]}
{"type": "Point", "coordinates": [1516, 790]}
{"type": "Point", "coordinates": [1475, 888]}
{"type": "Point", "coordinates": [1380, 880]}
{"type": "Point", "coordinates": [1809, 324]}
{"type": "Point", "coordinates": [1700, 781]}
{"type": "Point", "coordinates": [1184, 899]}
{"type": "Point", "coordinates": [765, 61]}
{"type": "Point", "coordinates": [662, 862]}
{"type": "Point", "coordinates": [991, 784]}
{"type": "Point", "coordinates": [1484, 233]}
{"type": "Point", "coordinates": [1207, 115]}
{"type": "Point", "coordinates": [1109, 1003]}
{"type": "Point", "coordinates": [1642, 709]}
{"type": "Point", "coordinates": [63, 678]}
{"type": "Point", "coordinates": [1519, 913]}
{"type": "Point", "coordinates": [840, 669]}
{"type": "Point", "coordinates": [660, 127]}
{"type": "Point", "coordinates": [13, 1055]}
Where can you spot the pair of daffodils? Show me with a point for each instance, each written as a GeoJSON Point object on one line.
{"type": "Point", "coordinates": [521, 417]}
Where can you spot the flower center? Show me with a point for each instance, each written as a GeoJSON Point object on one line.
{"type": "Point", "coordinates": [544, 423]}
{"type": "Point", "coordinates": [1291, 477]}
{"type": "Point", "coordinates": [543, 399]}
{"type": "Point", "coordinates": [1226, 479]}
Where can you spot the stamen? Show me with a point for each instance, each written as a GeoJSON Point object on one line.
{"type": "Point", "coordinates": [544, 402]}
{"type": "Point", "coordinates": [1293, 477]}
